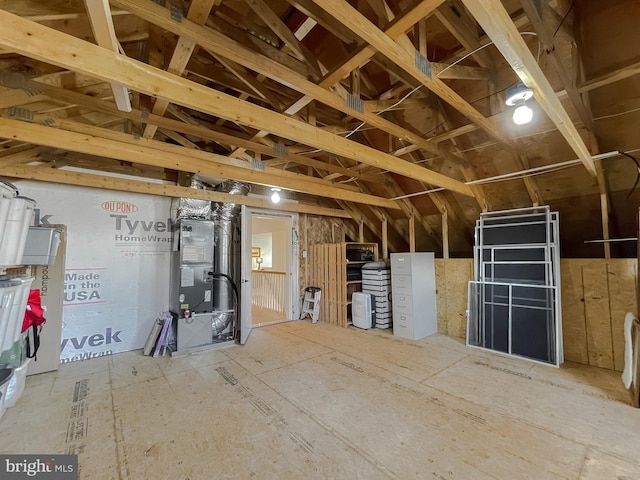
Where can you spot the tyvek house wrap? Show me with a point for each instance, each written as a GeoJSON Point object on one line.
{"type": "Point", "coordinates": [117, 265]}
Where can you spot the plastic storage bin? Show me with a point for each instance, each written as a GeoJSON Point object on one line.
{"type": "Point", "coordinates": [5, 377]}
{"type": "Point", "coordinates": [16, 315]}
{"type": "Point", "coordinates": [16, 384]}
{"type": "Point", "coordinates": [7, 293]}
{"type": "Point", "coordinates": [15, 233]}
{"type": "Point", "coordinates": [7, 193]}
{"type": "Point", "coordinates": [41, 247]}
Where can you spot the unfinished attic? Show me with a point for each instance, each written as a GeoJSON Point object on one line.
{"type": "Point", "coordinates": [319, 239]}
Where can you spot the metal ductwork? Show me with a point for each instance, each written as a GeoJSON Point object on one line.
{"type": "Point", "coordinates": [226, 255]}
{"type": "Point", "coordinates": [192, 208]}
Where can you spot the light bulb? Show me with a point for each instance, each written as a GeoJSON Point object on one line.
{"type": "Point", "coordinates": [522, 114]}
{"type": "Point", "coordinates": [275, 197]}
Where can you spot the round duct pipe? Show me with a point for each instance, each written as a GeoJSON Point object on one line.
{"type": "Point", "coordinates": [226, 254]}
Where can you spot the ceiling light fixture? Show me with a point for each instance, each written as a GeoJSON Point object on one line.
{"type": "Point", "coordinates": [517, 96]}
{"type": "Point", "coordinates": [275, 196]}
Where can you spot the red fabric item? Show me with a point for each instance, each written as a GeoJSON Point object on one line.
{"type": "Point", "coordinates": [34, 314]}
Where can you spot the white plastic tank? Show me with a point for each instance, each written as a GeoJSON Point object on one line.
{"type": "Point", "coordinates": [14, 238]}
{"type": "Point", "coordinates": [6, 375]}
{"type": "Point", "coordinates": [14, 325]}
{"type": "Point", "coordinates": [8, 290]}
{"type": "Point", "coordinates": [7, 193]}
{"type": "Point", "coordinates": [16, 384]}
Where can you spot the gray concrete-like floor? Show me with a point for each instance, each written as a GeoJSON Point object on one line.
{"type": "Point", "coordinates": [317, 401]}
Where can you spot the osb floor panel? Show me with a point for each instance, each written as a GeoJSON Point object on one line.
{"type": "Point", "coordinates": [318, 401]}
{"type": "Point", "coordinates": [263, 316]}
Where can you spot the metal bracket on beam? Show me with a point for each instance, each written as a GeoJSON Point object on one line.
{"type": "Point", "coordinates": [18, 81]}
{"type": "Point", "coordinates": [176, 13]}
{"type": "Point", "coordinates": [257, 164]}
{"type": "Point", "coordinates": [355, 103]}
{"type": "Point", "coordinates": [423, 64]}
{"type": "Point", "coordinates": [281, 149]}
{"type": "Point", "coordinates": [21, 114]}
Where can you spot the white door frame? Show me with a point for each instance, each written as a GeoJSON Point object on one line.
{"type": "Point", "coordinates": [293, 256]}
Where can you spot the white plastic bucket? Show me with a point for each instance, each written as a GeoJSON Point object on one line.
{"type": "Point", "coordinates": [14, 326]}
{"type": "Point", "coordinates": [16, 384]}
{"type": "Point", "coordinates": [5, 377]}
{"type": "Point", "coordinates": [15, 233]}
{"type": "Point", "coordinates": [7, 193]}
{"type": "Point", "coordinates": [8, 290]}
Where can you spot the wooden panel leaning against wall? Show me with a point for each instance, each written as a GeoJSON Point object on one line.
{"type": "Point", "coordinates": [313, 230]}
{"type": "Point", "coordinates": [596, 295]}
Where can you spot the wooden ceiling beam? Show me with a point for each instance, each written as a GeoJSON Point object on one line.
{"type": "Point", "coordinates": [219, 44]}
{"type": "Point", "coordinates": [357, 212]}
{"type": "Point", "coordinates": [455, 18]}
{"type": "Point", "coordinates": [105, 182]}
{"type": "Point", "coordinates": [268, 16]}
{"type": "Point", "coordinates": [546, 38]}
{"type": "Point", "coordinates": [203, 132]}
{"type": "Point", "coordinates": [362, 55]}
{"type": "Point", "coordinates": [610, 77]}
{"type": "Point", "coordinates": [495, 20]}
{"type": "Point", "coordinates": [360, 25]}
{"type": "Point", "coordinates": [255, 44]}
{"type": "Point", "coordinates": [198, 13]}
{"type": "Point", "coordinates": [175, 158]}
{"type": "Point", "coordinates": [399, 229]}
{"type": "Point", "coordinates": [194, 152]}
{"type": "Point", "coordinates": [250, 81]}
{"type": "Point", "coordinates": [50, 46]}
{"type": "Point", "coordinates": [101, 21]}
{"type": "Point", "coordinates": [314, 12]}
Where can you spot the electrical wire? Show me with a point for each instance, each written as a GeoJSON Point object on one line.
{"type": "Point", "coordinates": [356, 129]}
{"type": "Point", "coordinates": [635, 184]}
{"type": "Point", "coordinates": [543, 170]}
{"type": "Point", "coordinates": [573, 4]}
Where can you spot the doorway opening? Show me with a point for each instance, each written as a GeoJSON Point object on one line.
{"type": "Point", "coordinates": [274, 267]}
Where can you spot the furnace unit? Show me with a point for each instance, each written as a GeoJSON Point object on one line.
{"type": "Point", "coordinates": [192, 283]}
{"type": "Point", "coordinates": [191, 268]}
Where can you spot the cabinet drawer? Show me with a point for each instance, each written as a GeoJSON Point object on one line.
{"type": "Point", "coordinates": [403, 326]}
{"type": "Point", "coordinates": [401, 284]}
{"type": "Point", "coordinates": [402, 304]}
{"type": "Point", "coordinates": [401, 264]}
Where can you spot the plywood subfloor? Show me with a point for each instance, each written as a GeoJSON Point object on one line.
{"type": "Point", "coordinates": [261, 317]}
{"type": "Point", "coordinates": [320, 401]}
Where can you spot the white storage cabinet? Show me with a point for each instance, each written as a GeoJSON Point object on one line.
{"type": "Point", "coordinates": [413, 287]}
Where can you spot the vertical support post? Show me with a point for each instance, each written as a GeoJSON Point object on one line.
{"type": "Point", "coordinates": [445, 234]}
{"type": "Point", "coordinates": [361, 230]}
{"type": "Point", "coordinates": [385, 243]}
{"type": "Point", "coordinates": [311, 113]}
{"type": "Point", "coordinates": [412, 234]}
{"type": "Point", "coordinates": [355, 82]}
{"type": "Point", "coordinates": [422, 38]}
{"type": "Point", "coordinates": [604, 208]}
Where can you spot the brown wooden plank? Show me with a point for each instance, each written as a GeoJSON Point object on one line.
{"type": "Point", "coordinates": [333, 280]}
{"type": "Point", "coordinates": [325, 296]}
{"type": "Point", "coordinates": [574, 327]}
{"type": "Point", "coordinates": [458, 272]}
{"type": "Point", "coordinates": [441, 295]}
{"type": "Point", "coordinates": [597, 314]}
{"type": "Point", "coordinates": [622, 276]}
{"type": "Point", "coordinates": [342, 261]}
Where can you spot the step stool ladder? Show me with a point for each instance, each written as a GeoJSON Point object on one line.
{"type": "Point", "coordinates": [311, 304]}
